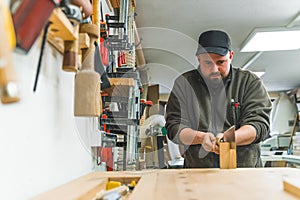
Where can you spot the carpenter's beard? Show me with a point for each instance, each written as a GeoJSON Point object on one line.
{"type": "Point", "coordinates": [214, 82]}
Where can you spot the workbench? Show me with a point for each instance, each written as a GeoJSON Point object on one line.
{"type": "Point", "coordinates": [191, 184]}
{"type": "Point", "coordinates": [292, 159]}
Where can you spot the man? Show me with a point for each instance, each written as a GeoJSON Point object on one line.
{"type": "Point", "coordinates": [204, 102]}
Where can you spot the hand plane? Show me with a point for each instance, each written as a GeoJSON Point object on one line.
{"type": "Point", "coordinates": [227, 148]}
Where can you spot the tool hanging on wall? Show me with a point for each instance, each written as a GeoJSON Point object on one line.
{"type": "Point", "coordinates": [88, 100]}
{"type": "Point", "coordinates": [9, 91]}
{"type": "Point", "coordinates": [99, 67]}
{"type": "Point", "coordinates": [103, 36]}
{"type": "Point", "coordinates": [103, 33]}
{"type": "Point", "coordinates": [85, 6]}
{"type": "Point", "coordinates": [119, 42]}
{"type": "Point", "coordinates": [41, 56]}
{"type": "Point", "coordinates": [87, 82]}
{"type": "Point", "coordinates": [121, 59]}
{"type": "Point", "coordinates": [70, 58]}
{"type": "Point", "coordinates": [129, 55]}
{"type": "Point", "coordinates": [96, 16]}
{"type": "Point", "coordinates": [123, 18]}
{"type": "Point", "coordinates": [29, 19]}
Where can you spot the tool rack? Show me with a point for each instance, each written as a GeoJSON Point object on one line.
{"type": "Point", "coordinates": [124, 120]}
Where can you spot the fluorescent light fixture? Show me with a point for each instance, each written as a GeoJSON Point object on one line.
{"type": "Point", "coordinates": [272, 39]}
{"type": "Point", "coordinates": [259, 74]}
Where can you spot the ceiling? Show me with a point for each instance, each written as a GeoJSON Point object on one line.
{"type": "Point", "coordinates": [169, 31]}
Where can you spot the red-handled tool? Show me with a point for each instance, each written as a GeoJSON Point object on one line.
{"type": "Point", "coordinates": [143, 105]}
{"type": "Point", "coordinates": [30, 18]}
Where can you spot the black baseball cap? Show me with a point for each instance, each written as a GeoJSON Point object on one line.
{"type": "Point", "coordinates": [214, 41]}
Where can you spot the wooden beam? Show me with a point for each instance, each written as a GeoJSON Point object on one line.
{"type": "Point", "coordinates": [56, 42]}
{"type": "Point", "coordinates": [292, 186]}
{"type": "Point", "coordinates": [60, 29]}
{"type": "Point", "coordinates": [61, 26]}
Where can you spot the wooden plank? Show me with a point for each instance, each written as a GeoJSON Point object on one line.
{"type": "Point", "coordinates": [119, 87]}
{"type": "Point", "coordinates": [60, 29]}
{"type": "Point", "coordinates": [93, 183]}
{"type": "Point", "coordinates": [189, 184]}
{"type": "Point", "coordinates": [56, 42]}
{"type": "Point", "coordinates": [86, 187]}
{"type": "Point", "coordinates": [61, 26]}
{"type": "Point", "coordinates": [147, 186]}
{"type": "Point", "coordinates": [232, 158]}
{"type": "Point", "coordinates": [215, 184]}
{"type": "Point", "coordinates": [224, 155]}
{"type": "Point", "coordinates": [292, 186]}
{"type": "Point", "coordinates": [121, 81]}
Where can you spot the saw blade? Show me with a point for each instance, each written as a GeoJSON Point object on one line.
{"type": "Point", "coordinates": [229, 134]}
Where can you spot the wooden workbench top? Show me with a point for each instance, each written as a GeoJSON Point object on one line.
{"type": "Point", "coordinates": [190, 184]}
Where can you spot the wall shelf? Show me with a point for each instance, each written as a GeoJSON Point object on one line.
{"type": "Point", "coordinates": [60, 29]}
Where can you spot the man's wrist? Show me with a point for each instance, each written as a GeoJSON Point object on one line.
{"type": "Point", "coordinates": [199, 136]}
{"type": "Point", "coordinates": [189, 136]}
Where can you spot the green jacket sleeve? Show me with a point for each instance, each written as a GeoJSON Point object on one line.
{"type": "Point", "coordinates": [176, 118]}
{"type": "Point", "coordinates": [256, 108]}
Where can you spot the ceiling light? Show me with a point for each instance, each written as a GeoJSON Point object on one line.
{"type": "Point", "coordinates": [259, 74]}
{"type": "Point", "coordinates": [272, 39]}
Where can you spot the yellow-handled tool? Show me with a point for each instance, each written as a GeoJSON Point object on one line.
{"type": "Point", "coordinates": [9, 91]}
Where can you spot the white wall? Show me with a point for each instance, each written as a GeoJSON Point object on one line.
{"type": "Point", "coordinates": [40, 146]}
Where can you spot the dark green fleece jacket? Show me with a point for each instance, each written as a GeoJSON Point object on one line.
{"type": "Point", "coordinates": [193, 103]}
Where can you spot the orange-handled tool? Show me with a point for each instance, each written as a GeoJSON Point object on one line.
{"type": "Point", "coordinates": [9, 92]}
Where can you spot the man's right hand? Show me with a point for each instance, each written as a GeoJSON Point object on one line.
{"type": "Point", "coordinates": [216, 149]}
